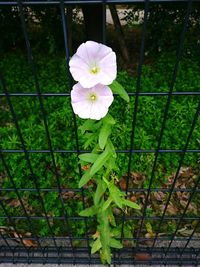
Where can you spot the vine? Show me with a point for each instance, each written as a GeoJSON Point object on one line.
{"type": "Point", "coordinates": [91, 98]}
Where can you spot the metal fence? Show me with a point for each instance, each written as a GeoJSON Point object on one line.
{"type": "Point", "coordinates": [62, 249]}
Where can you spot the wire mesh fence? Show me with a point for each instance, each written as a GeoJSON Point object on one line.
{"type": "Point", "coordinates": [42, 236]}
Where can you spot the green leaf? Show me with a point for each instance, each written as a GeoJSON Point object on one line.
{"type": "Point", "coordinates": [109, 119]}
{"type": "Point", "coordinates": [111, 165]}
{"type": "Point", "coordinates": [107, 254]}
{"type": "Point", "coordinates": [114, 243]}
{"type": "Point", "coordinates": [104, 134]}
{"type": "Point", "coordinates": [106, 204]}
{"type": "Point", "coordinates": [101, 188]}
{"type": "Point", "coordinates": [111, 148]}
{"type": "Point", "coordinates": [111, 217]}
{"type": "Point", "coordinates": [131, 204]}
{"type": "Point", "coordinates": [96, 246]}
{"type": "Point", "coordinates": [118, 89]}
{"type": "Point", "coordinates": [91, 137]}
{"type": "Point", "coordinates": [88, 157]}
{"type": "Point", "coordinates": [116, 195]}
{"type": "Point", "coordinates": [106, 181]}
{"type": "Point", "coordinates": [149, 227]}
{"type": "Point", "coordinates": [88, 125]}
{"type": "Point", "coordinates": [117, 231]}
{"type": "Point", "coordinates": [91, 211]}
{"type": "Point", "coordinates": [98, 164]}
{"type": "Point", "coordinates": [84, 179]}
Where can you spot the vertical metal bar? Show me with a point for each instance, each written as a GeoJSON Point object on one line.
{"type": "Point", "coordinates": [178, 57]}
{"type": "Point", "coordinates": [138, 85]}
{"type": "Point", "coordinates": [64, 25]}
{"type": "Point", "coordinates": [20, 200]}
{"type": "Point", "coordinates": [104, 22]}
{"type": "Point", "coordinates": [44, 118]}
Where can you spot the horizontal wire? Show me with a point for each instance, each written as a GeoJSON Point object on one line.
{"type": "Point", "coordinates": [87, 151]}
{"type": "Point", "coordinates": [161, 238]}
{"type": "Point", "coordinates": [164, 190]}
{"type": "Point", "coordinates": [51, 249]}
{"type": "Point", "coordinates": [130, 94]}
{"type": "Point", "coordinates": [78, 218]}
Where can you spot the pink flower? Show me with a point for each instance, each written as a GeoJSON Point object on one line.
{"type": "Point", "coordinates": [91, 103]}
{"type": "Point", "coordinates": [93, 63]}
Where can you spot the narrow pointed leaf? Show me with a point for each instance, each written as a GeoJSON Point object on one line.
{"type": "Point", "coordinates": [109, 119]}
{"type": "Point", "coordinates": [104, 134]}
{"type": "Point", "coordinates": [84, 179]}
{"type": "Point", "coordinates": [111, 217]}
{"type": "Point", "coordinates": [116, 195]}
{"type": "Point", "coordinates": [98, 164]}
{"type": "Point", "coordinates": [118, 89]}
{"type": "Point", "coordinates": [96, 246]}
{"type": "Point", "coordinates": [91, 211]}
{"type": "Point", "coordinates": [87, 125]}
{"type": "Point", "coordinates": [101, 188]}
{"type": "Point", "coordinates": [114, 243]}
{"type": "Point", "coordinates": [131, 204]}
{"type": "Point", "coordinates": [107, 254]}
{"type": "Point", "coordinates": [111, 148]}
{"type": "Point", "coordinates": [106, 204]}
{"type": "Point", "coordinates": [88, 157]}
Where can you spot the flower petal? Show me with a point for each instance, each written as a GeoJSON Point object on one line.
{"type": "Point", "coordinates": [98, 111]}
{"type": "Point", "coordinates": [78, 67]}
{"type": "Point", "coordinates": [88, 51]}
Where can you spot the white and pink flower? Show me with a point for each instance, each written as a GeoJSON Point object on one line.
{"type": "Point", "coordinates": [93, 64]}
{"type": "Point", "coordinates": [91, 103]}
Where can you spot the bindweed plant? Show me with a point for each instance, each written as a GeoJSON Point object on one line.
{"type": "Point", "coordinates": [94, 67]}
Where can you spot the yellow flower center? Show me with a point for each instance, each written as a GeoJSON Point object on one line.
{"type": "Point", "coordinates": [94, 70]}
{"type": "Point", "coordinates": [92, 97]}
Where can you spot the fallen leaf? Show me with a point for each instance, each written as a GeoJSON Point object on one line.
{"type": "Point", "coordinates": [172, 210]}
{"type": "Point", "coordinates": [16, 235]}
{"type": "Point", "coordinates": [137, 178]}
{"type": "Point", "coordinates": [128, 243]}
{"type": "Point", "coordinates": [159, 196]}
{"type": "Point", "coordinates": [150, 235]}
{"type": "Point", "coordinates": [14, 203]}
{"type": "Point", "coordinates": [142, 257]}
{"type": "Point", "coordinates": [29, 243]}
{"type": "Point", "coordinates": [122, 184]}
{"type": "Point", "coordinates": [67, 195]}
{"type": "Point", "coordinates": [133, 199]}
